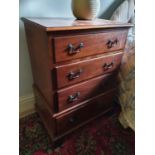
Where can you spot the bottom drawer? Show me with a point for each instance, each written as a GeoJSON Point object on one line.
{"type": "Point", "coordinates": [96, 106]}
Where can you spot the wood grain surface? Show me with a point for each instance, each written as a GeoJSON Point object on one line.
{"type": "Point", "coordinates": [89, 69]}
{"type": "Point", "coordinates": [63, 24]}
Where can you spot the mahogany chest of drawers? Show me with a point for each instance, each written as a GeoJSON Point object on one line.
{"type": "Point", "coordinates": [74, 65]}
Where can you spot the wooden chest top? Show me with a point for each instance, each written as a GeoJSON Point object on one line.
{"type": "Point", "coordinates": [61, 24]}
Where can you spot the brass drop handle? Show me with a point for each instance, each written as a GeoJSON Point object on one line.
{"type": "Point", "coordinates": [107, 66]}
{"type": "Point", "coordinates": [111, 43]}
{"type": "Point", "coordinates": [73, 50]}
{"type": "Point", "coordinates": [72, 120]}
{"type": "Point", "coordinates": [81, 45]}
{"type": "Point", "coordinates": [73, 75]}
{"type": "Point", "coordinates": [70, 48]}
{"type": "Point", "coordinates": [72, 98]}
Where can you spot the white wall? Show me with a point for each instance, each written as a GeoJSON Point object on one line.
{"type": "Point", "coordinates": [46, 8]}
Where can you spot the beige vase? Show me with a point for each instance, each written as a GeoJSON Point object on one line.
{"type": "Point", "coordinates": [85, 9]}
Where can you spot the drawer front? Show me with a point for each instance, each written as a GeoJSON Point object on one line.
{"type": "Point", "coordinates": [75, 118]}
{"type": "Point", "coordinates": [73, 47]}
{"type": "Point", "coordinates": [83, 70]}
{"type": "Point", "coordinates": [78, 93]}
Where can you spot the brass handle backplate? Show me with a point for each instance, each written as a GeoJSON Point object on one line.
{"type": "Point", "coordinates": [73, 75]}
{"type": "Point", "coordinates": [73, 50]}
{"type": "Point", "coordinates": [107, 66]}
{"type": "Point", "coordinates": [73, 120]}
{"type": "Point", "coordinates": [111, 43]}
{"type": "Point", "coordinates": [72, 98]}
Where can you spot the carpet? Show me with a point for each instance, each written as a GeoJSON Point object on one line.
{"type": "Point", "coordinates": [103, 136]}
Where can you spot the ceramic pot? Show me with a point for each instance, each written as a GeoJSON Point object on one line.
{"type": "Point", "coordinates": [85, 9]}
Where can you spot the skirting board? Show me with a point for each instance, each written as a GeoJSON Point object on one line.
{"type": "Point", "coordinates": [26, 105]}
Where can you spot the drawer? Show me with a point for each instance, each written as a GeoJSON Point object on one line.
{"type": "Point", "coordinates": [78, 93]}
{"type": "Point", "coordinates": [78, 46]}
{"type": "Point", "coordinates": [75, 118]}
{"type": "Point", "coordinates": [73, 73]}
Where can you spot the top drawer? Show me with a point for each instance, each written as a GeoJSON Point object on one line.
{"type": "Point", "coordinates": [78, 46]}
